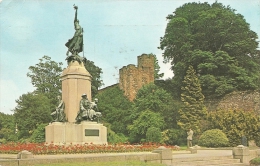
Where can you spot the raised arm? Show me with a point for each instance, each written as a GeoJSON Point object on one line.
{"type": "Point", "coordinates": [76, 13]}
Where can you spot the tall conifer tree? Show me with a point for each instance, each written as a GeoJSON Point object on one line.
{"type": "Point", "coordinates": [193, 112]}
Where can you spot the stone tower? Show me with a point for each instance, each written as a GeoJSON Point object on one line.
{"type": "Point", "coordinates": [132, 78]}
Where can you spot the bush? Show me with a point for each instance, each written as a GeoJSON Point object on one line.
{"type": "Point", "coordinates": [114, 138]}
{"type": "Point", "coordinates": [255, 161]}
{"type": "Point", "coordinates": [213, 138]}
{"type": "Point", "coordinates": [38, 134]}
{"type": "Point", "coordinates": [174, 137]}
{"type": "Point", "coordinates": [236, 123]}
{"type": "Point", "coordinates": [153, 134]}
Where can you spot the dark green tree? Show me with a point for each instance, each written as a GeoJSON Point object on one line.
{"type": "Point", "coordinates": [153, 98]}
{"type": "Point", "coordinates": [115, 108]}
{"type": "Point", "coordinates": [32, 109]}
{"type": "Point", "coordinates": [45, 77]}
{"type": "Point", "coordinates": [153, 134]}
{"type": "Point", "coordinates": [157, 67]}
{"type": "Point", "coordinates": [208, 37]}
{"type": "Point", "coordinates": [144, 121]}
{"type": "Point", "coordinates": [7, 128]}
{"type": "Point", "coordinates": [193, 111]}
{"type": "Point", "coordinates": [38, 135]}
{"type": "Point", "coordinates": [95, 72]}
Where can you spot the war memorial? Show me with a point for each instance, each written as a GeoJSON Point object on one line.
{"type": "Point", "coordinates": [76, 120]}
{"type": "Point", "coordinates": [76, 117]}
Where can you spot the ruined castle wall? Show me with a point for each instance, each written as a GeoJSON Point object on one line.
{"type": "Point", "coordinates": [132, 78]}
{"type": "Point", "coordinates": [243, 100]}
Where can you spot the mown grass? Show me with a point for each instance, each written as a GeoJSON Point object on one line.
{"type": "Point", "coordinates": [111, 163]}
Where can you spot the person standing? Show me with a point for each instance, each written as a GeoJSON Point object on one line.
{"type": "Point", "coordinates": [189, 138]}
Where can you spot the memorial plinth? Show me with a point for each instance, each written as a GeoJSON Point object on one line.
{"type": "Point", "coordinates": [70, 133]}
{"type": "Point", "coordinates": [76, 100]}
{"type": "Point", "coordinates": [76, 81]}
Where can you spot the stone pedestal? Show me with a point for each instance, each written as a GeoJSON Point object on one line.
{"type": "Point", "coordinates": [241, 152]}
{"type": "Point", "coordinates": [165, 155]}
{"type": "Point", "coordinates": [76, 81]}
{"type": "Point", "coordinates": [70, 133]}
{"type": "Point", "coordinates": [24, 155]}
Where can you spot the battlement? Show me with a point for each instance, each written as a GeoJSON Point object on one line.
{"type": "Point", "coordinates": [145, 60]}
{"type": "Point", "coordinates": [132, 78]}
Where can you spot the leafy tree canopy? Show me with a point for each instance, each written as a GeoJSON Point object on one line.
{"type": "Point", "coordinates": [115, 108]}
{"type": "Point", "coordinates": [32, 109]}
{"type": "Point", "coordinates": [217, 42]}
{"type": "Point", "coordinates": [157, 67]}
{"type": "Point", "coordinates": [95, 72]}
{"type": "Point", "coordinates": [45, 77]}
{"type": "Point", "coordinates": [156, 99]}
{"type": "Point", "coordinates": [7, 128]}
{"type": "Point", "coordinates": [144, 121]}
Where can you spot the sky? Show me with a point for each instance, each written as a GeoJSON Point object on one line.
{"type": "Point", "coordinates": [115, 33]}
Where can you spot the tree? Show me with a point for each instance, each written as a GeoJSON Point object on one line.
{"type": "Point", "coordinates": [208, 37]}
{"type": "Point", "coordinates": [32, 109]}
{"type": "Point", "coordinates": [95, 72]}
{"type": "Point", "coordinates": [156, 68]}
{"type": "Point", "coordinates": [7, 128]}
{"type": "Point", "coordinates": [194, 111]}
{"type": "Point", "coordinates": [153, 134]}
{"type": "Point", "coordinates": [153, 98]}
{"type": "Point", "coordinates": [115, 108]}
{"type": "Point", "coordinates": [45, 77]}
{"type": "Point", "coordinates": [145, 120]}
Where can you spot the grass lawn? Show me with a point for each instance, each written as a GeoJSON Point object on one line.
{"type": "Point", "coordinates": [112, 163]}
{"type": "Point", "coordinates": [183, 147]}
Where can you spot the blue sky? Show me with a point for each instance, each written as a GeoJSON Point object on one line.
{"type": "Point", "coordinates": [115, 33]}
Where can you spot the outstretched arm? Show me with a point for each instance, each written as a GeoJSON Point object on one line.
{"type": "Point", "coordinates": [76, 13]}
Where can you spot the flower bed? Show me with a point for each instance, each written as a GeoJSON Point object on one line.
{"type": "Point", "coordinates": [42, 148]}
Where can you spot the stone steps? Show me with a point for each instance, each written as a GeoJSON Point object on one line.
{"type": "Point", "coordinates": [207, 161]}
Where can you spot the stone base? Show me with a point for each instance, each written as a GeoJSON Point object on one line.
{"type": "Point", "coordinates": [241, 152]}
{"type": "Point", "coordinates": [59, 133]}
{"type": "Point", "coordinates": [24, 155]}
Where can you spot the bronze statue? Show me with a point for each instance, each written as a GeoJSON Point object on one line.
{"type": "Point", "coordinates": [88, 110]}
{"type": "Point", "coordinates": [59, 112]}
{"type": "Point", "coordinates": [75, 44]}
{"type": "Point", "coordinates": [84, 107]}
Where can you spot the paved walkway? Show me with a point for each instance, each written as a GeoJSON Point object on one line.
{"type": "Point", "coordinates": [202, 153]}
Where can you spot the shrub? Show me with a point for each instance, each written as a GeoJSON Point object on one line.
{"type": "Point", "coordinates": [213, 138]}
{"type": "Point", "coordinates": [257, 140]}
{"type": "Point", "coordinates": [38, 134]}
{"type": "Point", "coordinates": [153, 134]}
{"type": "Point", "coordinates": [255, 161]}
{"type": "Point", "coordinates": [235, 124]}
{"type": "Point", "coordinates": [114, 138]}
{"type": "Point", "coordinates": [174, 137]}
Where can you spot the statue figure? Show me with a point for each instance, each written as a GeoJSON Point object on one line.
{"type": "Point", "coordinates": [59, 112]}
{"type": "Point", "coordinates": [88, 110]}
{"type": "Point", "coordinates": [75, 44]}
{"type": "Point", "coordinates": [94, 113]}
{"type": "Point", "coordinates": [84, 107]}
